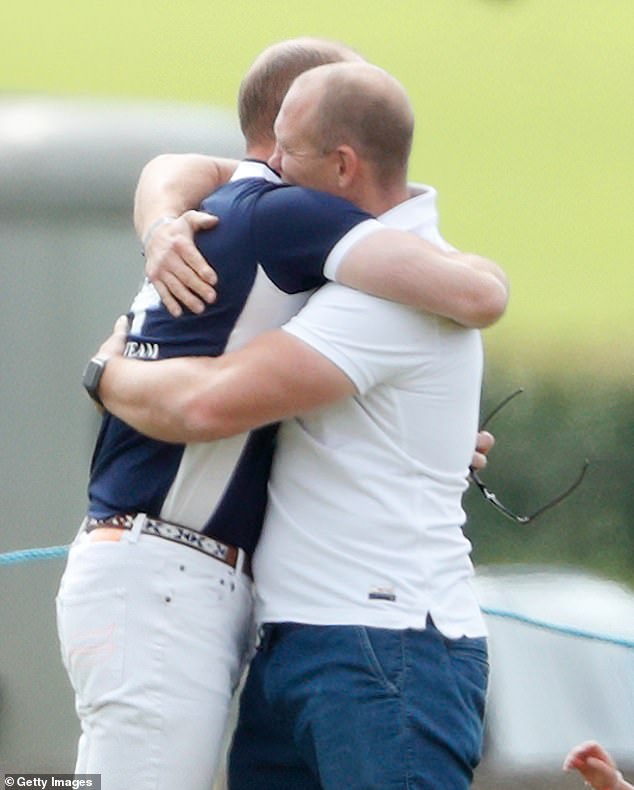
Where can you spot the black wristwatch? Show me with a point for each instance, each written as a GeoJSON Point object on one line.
{"type": "Point", "coordinates": [92, 377]}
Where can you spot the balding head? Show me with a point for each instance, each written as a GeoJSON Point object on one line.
{"type": "Point", "coordinates": [361, 105]}
{"type": "Point", "coordinates": [269, 78]}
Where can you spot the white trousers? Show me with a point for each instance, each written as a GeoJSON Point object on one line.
{"type": "Point", "coordinates": [154, 637]}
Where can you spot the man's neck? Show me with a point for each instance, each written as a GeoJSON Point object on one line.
{"type": "Point", "coordinates": [260, 152]}
{"type": "Point", "coordinates": [377, 201]}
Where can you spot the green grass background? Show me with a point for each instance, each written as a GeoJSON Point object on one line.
{"type": "Point", "coordinates": [525, 124]}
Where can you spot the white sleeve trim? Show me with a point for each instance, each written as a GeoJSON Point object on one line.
{"type": "Point", "coordinates": [343, 246]}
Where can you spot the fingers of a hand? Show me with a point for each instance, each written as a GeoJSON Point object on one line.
{"type": "Point", "coordinates": [196, 220]}
{"type": "Point", "coordinates": [600, 753]}
{"type": "Point", "coordinates": [604, 767]}
{"type": "Point", "coordinates": [592, 749]}
{"type": "Point", "coordinates": [478, 461]}
{"type": "Point", "coordinates": [193, 269]}
{"type": "Point", "coordinates": [182, 293]}
{"type": "Point", "coordinates": [599, 773]}
{"type": "Point", "coordinates": [200, 220]}
{"type": "Point", "coordinates": [578, 754]}
{"type": "Point", "coordinates": [176, 267]}
{"type": "Point", "coordinates": [179, 286]}
{"type": "Point", "coordinates": [121, 325]}
{"type": "Point", "coordinates": [171, 305]}
{"type": "Point", "coordinates": [187, 287]}
{"type": "Point", "coordinates": [485, 442]}
{"type": "Point", "coordinates": [115, 343]}
{"type": "Point", "coordinates": [205, 275]}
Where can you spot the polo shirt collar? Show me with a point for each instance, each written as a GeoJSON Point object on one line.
{"type": "Point", "coordinates": [253, 168]}
{"type": "Point", "coordinates": [419, 208]}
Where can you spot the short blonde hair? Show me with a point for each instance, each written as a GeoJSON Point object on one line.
{"type": "Point", "coordinates": [266, 83]}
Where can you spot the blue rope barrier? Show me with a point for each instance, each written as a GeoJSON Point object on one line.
{"type": "Point", "coordinates": [31, 555]}
{"type": "Point", "coordinates": [566, 630]}
{"type": "Point", "coordinates": [55, 552]}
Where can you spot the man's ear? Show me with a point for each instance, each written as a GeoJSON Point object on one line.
{"type": "Point", "coordinates": [347, 165]}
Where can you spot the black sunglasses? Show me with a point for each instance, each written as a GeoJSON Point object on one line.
{"type": "Point", "coordinates": [492, 499]}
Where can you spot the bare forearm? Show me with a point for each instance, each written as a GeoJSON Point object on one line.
{"type": "Point", "coordinates": [151, 396]}
{"type": "Point", "coordinates": [200, 399]}
{"type": "Point", "coordinates": [487, 293]}
{"type": "Point", "coordinates": [471, 290]}
{"type": "Point", "coordinates": [173, 183]}
{"type": "Point", "coordinates": [454, 289]}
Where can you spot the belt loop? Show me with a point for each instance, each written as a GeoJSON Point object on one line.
{"type": "Point", "coordinates": [265, 635]}
{"type": "Point", "coordinates": [137, 526]}
{"type": "Point", "coordinates": [80, 531]}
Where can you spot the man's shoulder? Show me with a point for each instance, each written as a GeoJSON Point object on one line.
{"type": "Point", "coordinates": [284, 203]}
{"type": "Point", "coordinates": [296, 204]}
{"type": "Point", "coordinates": [251, 187]}
{"type": "Point", "coordinates": [312, 197]}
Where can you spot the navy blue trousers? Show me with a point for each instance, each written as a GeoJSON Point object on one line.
{"type": "Point", "coordinates": [356, 708]}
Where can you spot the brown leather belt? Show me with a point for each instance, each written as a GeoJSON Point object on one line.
{"type": "Point", "coordinates": [185, 536]}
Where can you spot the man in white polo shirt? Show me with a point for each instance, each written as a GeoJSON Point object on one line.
{"type": "Point", "coordinates": [372, 668]}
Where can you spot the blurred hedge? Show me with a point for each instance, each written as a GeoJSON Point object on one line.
{"type": "Point", "coordinates": [542, 439]}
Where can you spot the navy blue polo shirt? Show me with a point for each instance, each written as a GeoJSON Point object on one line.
{"type": "Point", "coordinates": [269, 251]}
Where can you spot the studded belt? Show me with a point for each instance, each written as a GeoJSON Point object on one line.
{"type": "Point", "coordinates": [185, 536]}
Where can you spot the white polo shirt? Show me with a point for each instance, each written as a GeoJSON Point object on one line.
{"type": "Point", "coordinates": [364, 518]}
